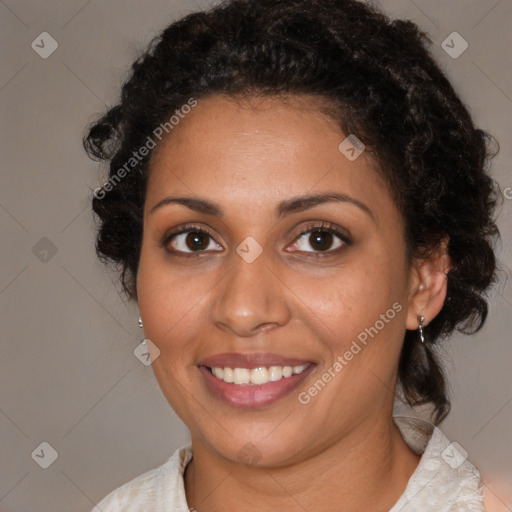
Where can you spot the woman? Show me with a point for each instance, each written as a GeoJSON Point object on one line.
{"type": "Point", "coordinates": [299, 204]}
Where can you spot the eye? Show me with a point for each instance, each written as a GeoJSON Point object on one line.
{"type": "Point", "coordinates": [324, 238]}
{"type": "Point", "coordinates": [189, 239]}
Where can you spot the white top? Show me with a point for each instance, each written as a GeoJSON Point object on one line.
{"type": "Point", "coordinates": [444, 481]}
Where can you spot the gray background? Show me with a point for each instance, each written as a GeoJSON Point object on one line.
{"type": "Point", "coordinates": [68, 375]}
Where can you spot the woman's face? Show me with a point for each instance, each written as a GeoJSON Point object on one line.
{"type": "Point", "coordinates": [263, 289]}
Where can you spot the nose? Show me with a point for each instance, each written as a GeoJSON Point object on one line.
{"type": "Point", "coordinates": [251, 298]}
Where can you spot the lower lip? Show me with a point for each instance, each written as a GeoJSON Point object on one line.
{"type": "Point", "coordinates": [249, 395]}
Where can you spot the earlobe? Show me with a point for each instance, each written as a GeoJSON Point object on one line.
{"type": "Point", "coordinates": [429, 286]}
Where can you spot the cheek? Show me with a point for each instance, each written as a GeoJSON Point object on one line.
{"type": "Point", "coordinates": [168, 298]}
{"type": "Point", "coordinates": [360, 323]}
{"type": "Point", "coordinates": [352, 298]}
{"type": "Point", "coordinates": [359, 314]}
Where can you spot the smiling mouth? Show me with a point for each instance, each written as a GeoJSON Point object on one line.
{"type": "Point", "coordinates": [256, 376]}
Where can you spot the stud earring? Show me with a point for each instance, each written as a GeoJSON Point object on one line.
{"type": "Point", "coordinates": [421, 319]}
{"type": "Point", "coordinates": [140, 322]}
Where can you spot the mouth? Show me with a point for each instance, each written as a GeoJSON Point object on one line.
{"type": "Point", "coordinates": [256, 376]}
{"type": "Point", "coordinates": [252, 380]}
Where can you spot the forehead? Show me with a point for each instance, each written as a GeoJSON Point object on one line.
{"type": "Point", "coordinates": [243, 150]}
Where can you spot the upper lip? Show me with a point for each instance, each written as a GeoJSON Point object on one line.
{"type": "Point", "coordinates": [248, 360]}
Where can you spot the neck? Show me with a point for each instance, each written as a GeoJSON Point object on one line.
{"type": "Point", "coordinates": [367, 469]}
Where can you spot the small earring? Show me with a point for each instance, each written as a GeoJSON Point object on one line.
{"type": "Point", "coordinates": [421, 319]}
{"type": "Point", "coordinates": [140, 322]}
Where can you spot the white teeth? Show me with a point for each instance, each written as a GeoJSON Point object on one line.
{"type": "Point", "coordinates": [218, 372]}
{"type": "Point", "coordinates": [242, 376]}
{"type": "Point", "coordinates": [228, 375]}
{"type": "Point", "coordinates": [259, 376]}
{"type": "Point", "coordinates": [275, 373]}
{"type": "Point", "coordinates": [256, 376]}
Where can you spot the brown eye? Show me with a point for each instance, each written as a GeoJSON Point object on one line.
{"type": "Point", "coordinates": [189, 241]}
{"type": "Point", "coordinates": [321, 240]}
{"type": "Point", "coordinates": [196, 240]}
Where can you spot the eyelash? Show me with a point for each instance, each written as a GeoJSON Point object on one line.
{"type": "Point", "coordinates": [310, 228]}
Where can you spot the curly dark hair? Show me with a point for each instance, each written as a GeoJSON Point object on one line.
{"type": "Point", "coordinates": [379, 81]}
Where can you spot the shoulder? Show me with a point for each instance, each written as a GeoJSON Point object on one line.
{"type": "Point", "coordinates": [444, 480]}
{"type": "Point", "coordinates": [147, 491]}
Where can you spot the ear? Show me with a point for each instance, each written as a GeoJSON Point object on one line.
{"type": "Point", "coordinates": [428, 286]}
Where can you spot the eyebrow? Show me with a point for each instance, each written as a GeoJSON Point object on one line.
{"type": "Point", "coordinates": [287, 207]}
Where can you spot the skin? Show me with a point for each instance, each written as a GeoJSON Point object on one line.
{"type": "Point", "coordinates": [341, 451]}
